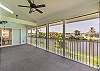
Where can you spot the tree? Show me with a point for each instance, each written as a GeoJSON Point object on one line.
{"type": "Point", "coordinates": [41, 34]}
{"type": "Point", "coordinates": [59, 39]}
{"type": "Point", "coordinates": [92, 32]}
{"type": "Point", "coordinates": [77, 32]}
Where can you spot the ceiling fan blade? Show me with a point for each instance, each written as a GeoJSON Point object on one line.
{"type": "Point", "coordinates": [39, 11]}
{"type": "Point", "coordinates": [30, 2]}
{"type": "Point", "coordinates": [24, 6]}
{"type": "Point", "coordinates": [30, 10]}
{"type": "Point", "coordinates": [33, 1]}
{"type": "Point", "coordinates": [39, 6]}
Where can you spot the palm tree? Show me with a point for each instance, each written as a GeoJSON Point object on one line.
{"type": "Point", "coordinates": [92, 32]}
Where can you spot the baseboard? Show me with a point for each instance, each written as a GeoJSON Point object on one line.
{"type": "Point", "coordinates": [10, 45]}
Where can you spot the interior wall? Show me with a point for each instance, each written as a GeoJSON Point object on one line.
{"type": "Point", "coordinates": [18, 32]}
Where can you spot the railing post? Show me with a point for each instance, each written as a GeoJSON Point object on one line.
{"type": "Point", "coordinates": [47, 37]}
{"type": "Point", "coordinates": [64, 37]}
{"type": "Point", "coordinates": [98, 55]}
{"type": "Point", "coordinates": [36, 36]}
{"type": "Point", "coordinates": [20, 36]}
{"type": "Point", "coordinates": [26, 34]}
{"type": "Point", "coordinates": [31, 37]}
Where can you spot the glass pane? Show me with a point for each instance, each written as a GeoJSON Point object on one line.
{"type": "Point", "coordinates": [33, 36]}
{"type": "Point", "coordinates": [29, 36]}
{"type": "Point", "coordinates": [6, 36]}
{"type": "Point", "coordinates": [16, 33]}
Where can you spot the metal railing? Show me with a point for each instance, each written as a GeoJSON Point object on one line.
{"type": "Point", "coordinates": [83, 51]}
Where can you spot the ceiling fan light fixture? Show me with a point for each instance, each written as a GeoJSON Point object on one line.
{"type": "Point", "coordinates": [5, 8]}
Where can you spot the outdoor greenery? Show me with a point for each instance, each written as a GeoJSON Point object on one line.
{"type": "Point", "coordinates": [75, 36]}
{"type": "Point", "coordinates": [42, 34]}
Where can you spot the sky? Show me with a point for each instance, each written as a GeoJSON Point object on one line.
{"type": "Point", "coordinates": [83, 26]}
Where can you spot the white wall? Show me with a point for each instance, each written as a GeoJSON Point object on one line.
{"type": "Point", "coordinates": [18, 31]}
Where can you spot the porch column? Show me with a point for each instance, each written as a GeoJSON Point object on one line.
{"type": "Point", "coordinates": [31, 37]}
{"type": "Point", "coordinates": [36, 36]}
{"type": "Point", "coordinates": [47, 37]}
{"type": "Point", "coordinates": [63, 37]}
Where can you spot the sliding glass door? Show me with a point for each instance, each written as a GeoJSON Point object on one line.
{"type": "Point", "coordinates": [33, 36]}
{"type": "Point", "coordinates": [16, 36]}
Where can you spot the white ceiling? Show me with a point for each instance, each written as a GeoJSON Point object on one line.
{"type": "Point", "coordinates": [54, 10]}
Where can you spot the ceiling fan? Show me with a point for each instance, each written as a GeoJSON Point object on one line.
{"type": "Point", "coordinates": [33, 7]}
